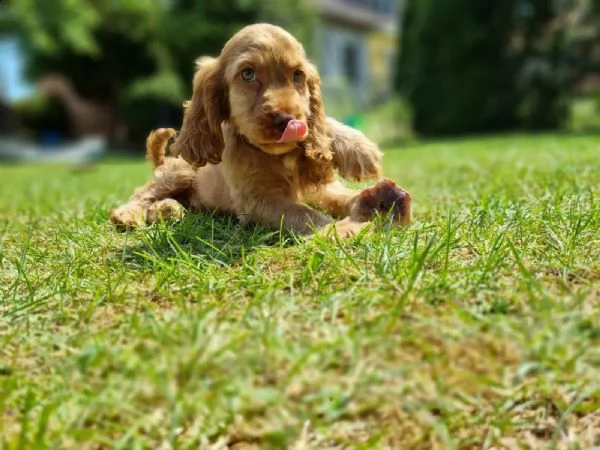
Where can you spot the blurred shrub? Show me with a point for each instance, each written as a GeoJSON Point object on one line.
{"type": "Point", "coordinates": [453, 67]}
{"type": "Point", "coordinates": [468, 65]}
{"type": "Point", "coordinates": [388, 122]}
{"type": "Point", "coordinates": [543, 95]}
{"type": "Point", "coordinates": [584, 115]}
{"type": "Point", "coordinates": [541, 73]}
{"type": "Point", "coordinates": [338, 98]}
{"type": "Point", "coordinates": [384, 121]}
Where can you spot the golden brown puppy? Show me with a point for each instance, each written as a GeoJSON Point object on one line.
{"type": "Point", "coordinates": [255, 142]}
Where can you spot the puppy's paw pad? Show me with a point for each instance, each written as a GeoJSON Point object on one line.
{"type": "Point", "coordinates": [385, 197]}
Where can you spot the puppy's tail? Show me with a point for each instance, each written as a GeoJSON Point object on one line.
{"type": "Point", "coordinates": [156, 145]}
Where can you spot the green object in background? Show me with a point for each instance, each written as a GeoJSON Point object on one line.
{"type": "Point", "coordinates": [356, 121]}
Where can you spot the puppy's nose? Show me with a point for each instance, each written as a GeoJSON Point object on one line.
{"type": "Point", "coordinates": [281, 120]}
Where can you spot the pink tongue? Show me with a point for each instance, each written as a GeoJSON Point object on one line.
{"type": "Point", "coordinates": [294, 131]}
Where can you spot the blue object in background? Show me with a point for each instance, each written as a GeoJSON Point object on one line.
{"type": "Point", "coordinates": [50, 138]}
{"type": "Point", "coordinates": [13, 85]}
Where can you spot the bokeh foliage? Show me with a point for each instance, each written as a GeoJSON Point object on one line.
{"type": "Point", "coordinates": [453, 54]}
{"type": "Point", "coordinates": [138, 53]}
{"type": "Point", "coordinates": [470, 66]}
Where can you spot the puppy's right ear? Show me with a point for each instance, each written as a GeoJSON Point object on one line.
{"type": "Point", "coordinates": [200, 139]}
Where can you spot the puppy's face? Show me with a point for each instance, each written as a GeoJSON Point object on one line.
{"type": "Point", "coordinates": [268, 79]}
{"type": "Point", "coordinates": [264, 86]}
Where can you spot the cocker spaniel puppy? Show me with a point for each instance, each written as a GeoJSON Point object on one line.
{"type": "Point", "coordinates": [255, 142]}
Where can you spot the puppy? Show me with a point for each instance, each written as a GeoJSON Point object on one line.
{"type": "Point", "coordinates": [255, 142]}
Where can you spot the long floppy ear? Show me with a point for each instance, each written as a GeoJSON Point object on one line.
{"type": "Point", "coordinates": [200, 139]}
{"type": "Point", "coordinates": [317, 143]}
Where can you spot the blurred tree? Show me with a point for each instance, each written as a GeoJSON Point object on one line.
{"type": "Point", "coordinates": [138, 54]}
{"type": "Point", "coordinates": [558, 47]}
{"type": "Point", "coordinates": [542, 77]}
{"type": "Point", "coordinates": [193, 28]}
{"type": "Point", "coordinates": [578, 22]}
{"type": "Point", "coordinates": [455, 67]}
{"type": "Point", "coordinates": [470, 66]}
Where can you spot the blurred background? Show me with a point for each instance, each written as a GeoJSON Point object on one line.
{"type": "Point", "coordinates": [82, 77]}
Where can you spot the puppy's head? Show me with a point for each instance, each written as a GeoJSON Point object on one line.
{"type": "Point", "coordinates": [265, 87]}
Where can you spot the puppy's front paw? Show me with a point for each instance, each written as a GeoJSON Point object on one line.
{"type": "Point", "coordinates": [382, 198]}
{"type": "Point", "coordinates": [164, 210]}
{"type": "Point", "coordinates": [128, 216]}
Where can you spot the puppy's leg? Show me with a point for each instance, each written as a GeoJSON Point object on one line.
{"type": "Point", "coordinates": [174, 179]}
{"type": "Point", "coordinates": [301, 219]}
{"type": "Point", "coordinates": [354, 155]}
{"type": "Point", "coordinates": [165, 209]}
{"type": "Point", "coordinates": [271, 201]}
{"type": "Point", "coordinates": [361, 206]}
{"type": "Point", "coordinates": [281, 212]}
{"type": "Point", "coordinates": [358, 158]}
{"type": "Point", "coordinates": [130, 215]}
{"type": "Point", "coordinates": [335, 199]}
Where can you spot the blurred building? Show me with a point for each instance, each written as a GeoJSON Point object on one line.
{"type": "Point", "coordinates": [358, 48]}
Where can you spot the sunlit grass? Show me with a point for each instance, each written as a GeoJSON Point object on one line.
{"type": "Point", "coordinates": [478, 327]}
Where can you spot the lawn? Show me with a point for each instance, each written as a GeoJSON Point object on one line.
{"type": "Point", "coordinates": [477, 327]}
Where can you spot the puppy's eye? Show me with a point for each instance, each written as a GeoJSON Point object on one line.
{"type": "Point", "coordinates": [248, 75]}
{"type": "Point", "coordinates": [298, 76]}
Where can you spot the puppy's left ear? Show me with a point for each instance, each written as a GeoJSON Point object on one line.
{"type": "Point", "coordinates": [317, 143]}
{"type": "Point", "coordinates": [200, 140]}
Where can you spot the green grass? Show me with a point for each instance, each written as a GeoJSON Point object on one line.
{"type": "Point", "coordinates": [478, 327]}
